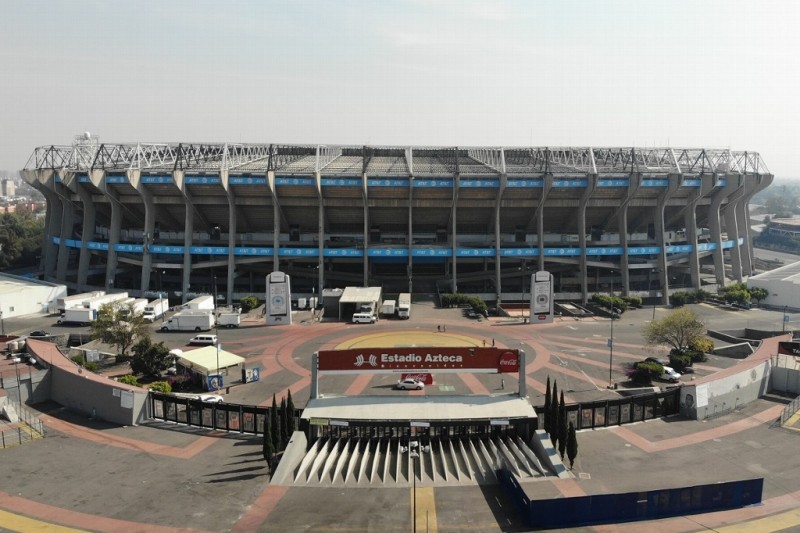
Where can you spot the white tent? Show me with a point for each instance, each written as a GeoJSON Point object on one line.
{"type": "Point", "coordinates": [204, 360]}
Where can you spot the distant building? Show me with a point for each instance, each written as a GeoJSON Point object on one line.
{"type": "Point", "coordinates": [8, 188]}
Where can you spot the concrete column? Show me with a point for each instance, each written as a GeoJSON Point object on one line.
{"type": "Point", "coordinates": [232, 234]}
{"type": "Point", "coordinates": [546, 188]}
{"type": "Point", "coordinates": [410, 234]}
{"type": "Point", "coordinates": [276, 221]}
{"type": "Point", "coordinates": [497, 257]}
{"type": "Point", "coordinates": [135, 177]}
{"type": "Point", "coordinates": [454, 233]}
{"type": "Point", "coordinates": [44, 182]}
{"type": "Point", "coordinates": [732, 229]}
{"type": "Point", "coordinates": [188, 237]}
{"type": "Point", "coordinates": [584, 270]}
{"type": "Point", "coordinates": [675, 181]}
{"type": "Point", "coordinates": [89, 221]}
{"type": "Point", "coordinates": [365, 259]}
{"type": "Point", "coordinates": [690, 223]}
{"type": "Point", "coordinates": [98, 178]}
{"type": "Point", "coordinates": [622, 228]}
{"type": "Point", "coordinates": [66, 224]}
{"type": "Point", "coordinates": [719, 194]}
{"type": "Point", "coordinates": [755, 183]}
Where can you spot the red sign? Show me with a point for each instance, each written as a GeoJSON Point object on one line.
{"type": "Point", "coordinates": [424, 359]}
{"type": "Point", "coordinates": [542, 317]}
{"type": "Point", "coordinates": [789, 348]}
{"type": "Point", "coordinates": [424, 377]}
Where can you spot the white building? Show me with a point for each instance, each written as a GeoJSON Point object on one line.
{"type": "Point", "coordinates": [782, 284]}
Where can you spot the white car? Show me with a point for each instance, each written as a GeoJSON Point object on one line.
{"type": "Point", "coordinates": [209, 398]}
{"type": "Point", "coordinates": [669, 374]}
{"type": "Point", "coordinates": [410, 384]}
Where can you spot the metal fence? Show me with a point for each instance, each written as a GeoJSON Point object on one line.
{"type": "Point", "coordinates": [27, 429]}
{"type": "Point", "coordinates": [790, 410]}
{"type": "Point", "coordinates": [616, 412]}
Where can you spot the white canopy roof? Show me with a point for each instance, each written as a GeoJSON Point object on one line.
{"type": "Point", "coordinates": [204, 360]}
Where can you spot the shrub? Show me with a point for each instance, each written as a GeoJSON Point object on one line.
{"type": "Point", "coordinates": [680, 362]}
{"type": "Point", "coordinates": [91, 366]}
{"type": "Point", "coordinates": [249, 303]}
{"type": "Point", "coordinates": [129, 380]}
{"type": "Point", "coordinates": [702, 345]}
{"type": "Point", "coordinates": [680, 298]}
{"type": "Point", "coordinates": [633, 301]}
{"type": "Point", "coordinates": [78, 359]}
{"type": "Point", "coordinates": [477, 304]}
{"type": "Point", "coordinates": [611, 302]}
{"type": "Point", "coordinates": [161, 386]}
{"type": "Point", "coordinates": [698, 357]}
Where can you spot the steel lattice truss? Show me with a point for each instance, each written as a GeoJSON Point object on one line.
{"type": "Point", "coordinates": [209, 157]}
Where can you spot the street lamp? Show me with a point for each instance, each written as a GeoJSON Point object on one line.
{"type": "Point", "coordinates": [783, 330]}
{"type": "Point", "coordinates": [522, 294]}
{"type": "Point", "coordinates": [611, 351]}
{"type": "Point", "coordinates": [216, 332]}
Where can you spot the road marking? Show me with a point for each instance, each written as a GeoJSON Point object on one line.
{"type": "Point", "coordinates": [768, 524]}
{"type": "Point", "coordinates": [425, 507]}
{"type": "Point", "coordinates": [23, 524]}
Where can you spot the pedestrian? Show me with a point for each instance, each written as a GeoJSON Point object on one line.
{"type": "Point", "coordinates": [492, 343]}
{"type": "Point", "coordinates": [502, 383]}
{"type": "Point", "coordinates": [439, 328]}
{"type": "Point", "coordinates": [444, 328]}
{"type": "Point", "coordinates": [484, 343]}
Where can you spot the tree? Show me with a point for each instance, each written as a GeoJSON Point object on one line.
{"type": "Point", "coordinates": [553, 416]}
{"type": "Point", "coordinates": [572, 445]}
{"type": "Point", "coordinates": [291, 426]}
{"type": "Point", "coordinates": [267, 444]}
{"type": "Point", "coordinates": [20, 239]}
{"type": "Point", "coordinates": [678, 329]}
{"type": "Point", "coordinates": [149, 359]}
{"type": "Point", "coordinates": [274, 421]}
{"type": "Point", "coordinates": [284, 424]}
{"type": "Point", "coordinates": [562, 426]}
{"type": "Point", "coordinates": [119, 325]}
{"type": "Point", "coordinates": [547, 407]}
{"type": "Point", "coordinates": [249, 302]}
{"type": "Point", "coordinates": [758, 294]}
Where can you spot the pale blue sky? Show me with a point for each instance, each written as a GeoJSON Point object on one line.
{"type": "Point", "coordinates": [598, 73]}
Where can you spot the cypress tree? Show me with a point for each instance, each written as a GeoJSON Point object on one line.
{"type": "Point", "coordinates": [274, 420]}
{"type": "Point", "coordinates": [562, 426]}
{"type": "Point", "coordinates": [267, 449]}
{"type": "Point", "coordinates": [284, 424]}
{"type": "Point", "coordinates": [291, 424]}
{"type": "Point", "coordinates": [546, 410]}
{"type": "Point", "coordinates": [553, 416]}
{"type": "Point", "coordinates": [572, 445]}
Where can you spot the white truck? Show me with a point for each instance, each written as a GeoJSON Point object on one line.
{"type": "Point", "coordinates": [201, 302]}
{"type": "Point", "coordinates": [156, 309]}
{"type": "Point", "coordinates": [404, 305]}
{"type": "Point", "coordinates": [76, 300]}
{"type": "Point", "coordinates": [189, 321]}
{"type": "Point", "coordinates": [78, 315]}
{"type": "Point", "coordinates": [388, 308]}
{"type": "Point", "coordinates": [138, 305]}
{"type": "Point", "coordinates": [229, 319]}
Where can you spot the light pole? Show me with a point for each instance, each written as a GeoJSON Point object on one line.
{"type": "Point", "coordinates": [2, 324]}
{"type": "Point", "coordinates": [522, 294]}
{"type": "Point", "coordinates": [783, 330]}
{"type": "Point", "coordinates": [611, 352]}
{"type": "Point", "coordinates": [413, 455]}
{"type": "Point", "coordinates": [216, 332]}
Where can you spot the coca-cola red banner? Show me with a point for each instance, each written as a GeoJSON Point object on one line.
{"type": "Point", "coordinates": [448, 359]}
{"type": "Point", "coordinates": [424, 377]}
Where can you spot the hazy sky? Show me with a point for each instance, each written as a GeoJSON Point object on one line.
{"type": "Point", "coordinates": [597, 73]}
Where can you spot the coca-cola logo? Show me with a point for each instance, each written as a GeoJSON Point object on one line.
{"type": "Point", "coordinates": [416, 377]}
{"type": "Point", "coordinates": [508, 362]}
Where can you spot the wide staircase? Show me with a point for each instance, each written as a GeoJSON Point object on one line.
{"type": "Point", "coordinates": [439, 462]}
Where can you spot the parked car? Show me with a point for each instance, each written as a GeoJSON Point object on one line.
{"type": "Point", "coordinates": [670, 375]}
{"type": "Point", "coordinates": [38, 333]}
{"type": "Point", "coordinates": [656, 360]}
{"type": "Point", "coordinates": [208, 340]}
{"type": "Point", "coordinates": [410, 384]}
{"type": "Point", "coordinates": [209, 398]}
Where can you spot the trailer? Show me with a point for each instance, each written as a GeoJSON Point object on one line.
{"type": "Point", "coordinates": [138, 305]}
{"type": "Point", "coordinates": [76, 300]}
{"type": "Point", "coordinates": [229, 319]}
{"type": "Point", "coordinates": [78, 315]}
{"type": "Point", "coordinates": [156, 309]}
{"type": "Point", "coordinates": [191, 321]}
{"type": "Point", "coordinates": [388, 308]}
{"type": "Point", "coordinates": [201, 302]}
{"type": "Point", "coordinates": [404, 305]}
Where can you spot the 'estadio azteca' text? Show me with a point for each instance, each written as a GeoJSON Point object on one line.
{"type": "Point", "coordinates": [414, 358]}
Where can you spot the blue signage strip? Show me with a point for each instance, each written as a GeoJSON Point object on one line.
{"type": "Point", "coordinates": [692, 182]}
{"type": "Point", "coordinates": [134, 248]}
{"type": "Point", "coordinates": [432, 252]}
{"type": "Point", "coordinates": [298, 252]}
{"type": "Point", "coordinates": [660, 182]}
{"type": "Point", "coordinates": [480, 184]}
{"type": "Point", "coordinates": [253, 251]}
{"type": "Point", "coordinates": [374, 182]}
{"type": "Point", "coordinates": [342, 252]}
{"type": "Point", "coordinates": [722, 182]}
{"type": "Point", "coordinates": [340, 182]}
{"type": "Point", "coordinates": [158, 180]}
{"type": "Point", "coordinates": [202, 180]}
{"type": "Point", "coordinates": [94, 245]}
{"type": "Point", "coordinates": [615, 182]}
{"type": "Point", "coordinates": [82, 178]}
{"type": "Point", "coordinates": [116, 179]}
{"type": "Point", "coordinates": [444, 183]}
{"type": "Point", "coordinates": [568, 183]}
{"type": "Point", "coordinates": [387, 252]}
{"type": "Point", "coordinates": [304, 182]}
{"type": "Point", "coordinates": [167, 250]}
{"type": "Point", "coordinates": [525, 183]}
{"type": "Point", "coordinates": [474, 252]}
{"type": "Point", "coordinates": [247, 180]}
{"type": "Point", "coordinates": [208, 250]}
{"type": "Point", "coordinates": [679, 249]}
{"type": "Point", "coordinates": [519, 252]}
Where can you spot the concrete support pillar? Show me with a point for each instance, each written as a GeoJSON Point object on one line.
{"type": "Point", "coordinates": [410, 234]}
{"type": "Point", "coordinates": [44, 182]}
{"type": "Point", "coordinates": [720, 193]}
{"type": "Point", "coordinates": [365, 259]}
{"type": "Point", "coordinates": [584, 270]}
{"type": "Point", "coordinates": [497, 257]}
{"type": "Point", "coordinates": [690, 223]}
{"type": "Point", "coordinates": [755, 183]}
{"type": "Point", "coordinates": [675, 181]}
{"type": "Point", "coordinates": [276, 221]}
{"type": "Point", "coordinates": [546, 188]}
{"type": "Point", "coordinates": [732, 229]}
{"type": "Point", "coordinates": [66, 225]}
{"type": "Point", "coordinates": [89, 221]}
{"type": "Point", "coordinates": [188, 234]}
{"type": "Point", "coordinates": [98, 178]}
{"type": "Point", "coordinates": [232, 234]}
{"type": "Point", "coordinates": [622, 227]}
{"type": "Point", "coordinates": [134, 176]}
{"type": "Point", "coordinates": [454, 232]}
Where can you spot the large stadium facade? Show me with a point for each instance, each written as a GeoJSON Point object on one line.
{"type": "Point", "coordinates": [185, 218]}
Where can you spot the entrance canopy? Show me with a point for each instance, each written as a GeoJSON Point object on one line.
{"type": "Point", "coordinates": [204, 360]}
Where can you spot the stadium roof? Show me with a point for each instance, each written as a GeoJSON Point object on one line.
{"type": "Point", "coordinates": [87, 154]}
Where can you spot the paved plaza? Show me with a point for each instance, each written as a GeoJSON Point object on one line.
{"type": "Point", "coordinates": [91, 476]}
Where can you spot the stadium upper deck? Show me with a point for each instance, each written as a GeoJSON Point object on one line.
{"type": "Point", "coordinates": [163, 217]}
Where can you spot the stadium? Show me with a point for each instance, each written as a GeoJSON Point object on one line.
{"type": "Point", "coordinates": [189, 218]}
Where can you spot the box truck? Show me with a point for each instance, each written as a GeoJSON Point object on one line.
{"type": "Point", "coordinates": [76, 300]}
{"type": "Point", "coordinates": [404, 305]}
{"type": "Point", "coordinates": [388, 308]}
{"type": "Point", "coordinates": [189, 322]}
{"type": "Point", "coordinates": [137, 305]}
{"type": "Point", "coordinates": [78, 315]}
{"type": "Point", "coordinates": [201, 302]}
{"type": "Point", "coordinates": [229, 319]}
{"type": "Point", "coordinates": [156, 309]}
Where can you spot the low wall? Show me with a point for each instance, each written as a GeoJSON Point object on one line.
{"type": "Point", "coordinates": [720, 396]}
{"type": "Point", "coordinates": [736, 351]}
{"type": "Point", "coordinates": [731, 336]}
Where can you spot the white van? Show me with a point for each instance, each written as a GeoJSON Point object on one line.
{"type": "Point", "coordinates": [363, 318]}
{"type": "Point", "coordinates": [203, 339]}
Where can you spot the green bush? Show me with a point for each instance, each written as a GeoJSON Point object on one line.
{"type": "Point", "coordinates": [161, 386]}
{"type": "Point", "coordinates": [610, 302]}
{"type": "Point", "coordinates": [680, 298]}
{"type": "Point", "coordinates": [633, 301]}
{"type": "Point", "coordinates": [702, 345]}
{"type": "Point", "coordinates": [454, 300]}
{"type": "Point", "coordinates": [78, 359]}
{"type": "Point", "coordinates": [249, 303]}
{"type": "Point", "coordinates": [129, 380]}
{"type": "Point", "coordinates": [680, 362]}
{"type": "Point", "coordinates": [698, 357]}
{"type": "Point", "coordinates": [91, 366]}
{"type": "Point", "coordinates": [644, 372]}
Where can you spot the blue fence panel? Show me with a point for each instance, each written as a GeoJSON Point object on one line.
{"type": "Point", "coordinates": [247, 180]}
{"type": "Point", "coordinates": [525, 183]}
{"type": "Point", "coordinates": [158, 180]}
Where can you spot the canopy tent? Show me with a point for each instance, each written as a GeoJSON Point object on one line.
{"type": "Point", "coordinates": [204, 360]}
